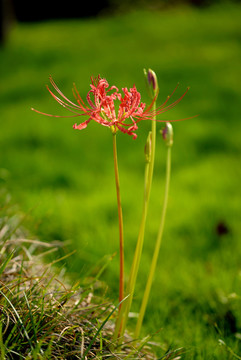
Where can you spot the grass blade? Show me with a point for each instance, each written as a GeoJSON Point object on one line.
{"type": "Point", "coordinates": [19, 319]}
{"type": "Point", "coordinates": [6, 261]}
{"type": "Point", "coordinates": [101, 327]}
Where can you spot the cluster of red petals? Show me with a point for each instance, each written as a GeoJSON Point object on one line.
{"type": "Point", "coordinates": [107, 106]}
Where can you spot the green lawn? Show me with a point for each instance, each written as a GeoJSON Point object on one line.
{"type": "Point", "coordinates": [65, 178]}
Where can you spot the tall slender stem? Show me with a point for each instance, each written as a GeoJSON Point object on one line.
{"type": "Point", "coordinates": [157, 247]}
{"type": "Point", "coordinates": [123, 314]}
{"type": "Point", "coordinates": [138, 251]}
{"type": "Point", "coordinates": [120, 325]}
{"type": "Point", "coordinates": [120, 217]}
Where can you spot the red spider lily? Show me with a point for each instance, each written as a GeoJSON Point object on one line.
{"type": "Point", "coordinates": [102, 102]}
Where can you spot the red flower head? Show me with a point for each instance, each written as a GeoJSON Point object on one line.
{"type": "Point", "coordinates": [107, 106]}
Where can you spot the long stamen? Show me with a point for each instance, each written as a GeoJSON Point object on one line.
{"type": "Point", "coordinates": [62, 103]}
{"type": "Point", "coordinates": [57, 116]}
{"type": "Point", "coordinates": [80, 100]}
{"type": "Point", "coordinates": [174, 103]}
{"type": "Point", "coordinates": [60, 92]}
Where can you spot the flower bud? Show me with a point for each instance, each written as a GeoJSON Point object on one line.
{"type": "Point", "coordinates": [148, 147]}
{"type": "Point", "coordinates": [151, 81]}
{"type": "Point", "coordinates": [167, 134]}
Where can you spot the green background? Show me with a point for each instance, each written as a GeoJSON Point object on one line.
{"type": "Point", "coordinates": [64, 178]}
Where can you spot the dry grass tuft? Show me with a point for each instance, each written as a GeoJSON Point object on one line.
{"type": "Point", "coordinates": [42, 317]}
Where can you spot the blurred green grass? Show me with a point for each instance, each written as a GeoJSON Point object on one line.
{"type": "Point", "coordinates": [67, 177]}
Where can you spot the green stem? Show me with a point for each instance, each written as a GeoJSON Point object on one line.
{"type": "Point", "coordinates": [120, 217]}
{"type": "Point", "coordinates": [124, 313]}
{"type": "Point", "coordinates": [157, 247]}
